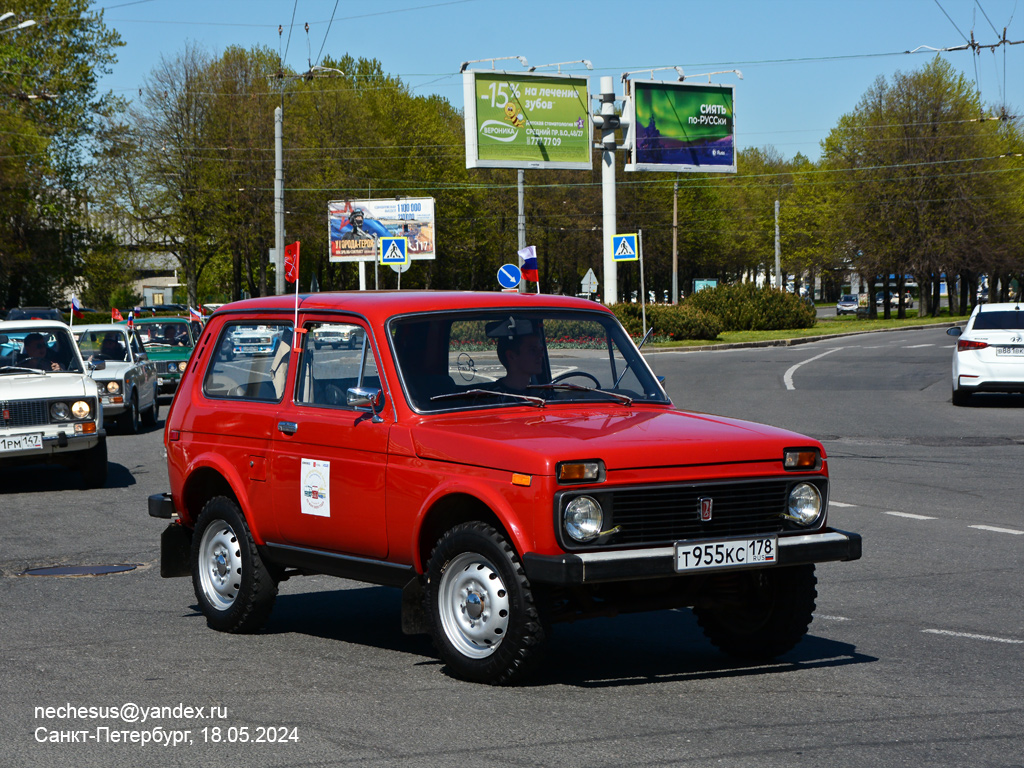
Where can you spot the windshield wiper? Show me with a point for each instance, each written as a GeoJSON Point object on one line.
{"type": "Point", "coordinates": [18, 369]}
{"type": "Point", "coordinates": [538, 401]}
{"type": "Point", "coordinates": [624, 399]}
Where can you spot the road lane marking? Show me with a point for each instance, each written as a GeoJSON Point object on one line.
{"type": "Point", "coordinates": [830, 618]}
{"type": "Point", "coordinates": [911, 516]}
{"type": "Point", "coordinates": [840, 504]}
{"type": "Point", "coordinates": [788, 377]}
{"type": "Point", "coordinates": [997, 530]}
{"type": "Point", "coordinates": [919, 346]}
{"type": "Point", "coordinates": [968, 635]}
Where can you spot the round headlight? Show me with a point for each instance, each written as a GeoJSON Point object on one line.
{"type": "Point", "coordinates": [583, 519]}
{"type": "Point", "coordinates": [60, 412]}
{"type": "Point", "coordinates": [804, 504]}
{"type": "Point", "coordinates": [113, 387]}
{"type": "Point", "coordinates": [81, 409]}
{"type": "Point", "coordinates": [182, 366]}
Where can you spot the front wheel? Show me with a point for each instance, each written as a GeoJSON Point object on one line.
{"type": "Point", "coordinates": [94, 465]}
{"type": "Point", "coordinates": [484, 620]}
{"type": "Point", "coordinates": [128, 422]}
{"type": "Point", "coordinates": [235, 590]}
{"type": "Point", "coordinates": [759, 615]}
{"type": "Point", "coordinates": [152, 414]}
{"type": "Point", "coordinates": [961, 397]}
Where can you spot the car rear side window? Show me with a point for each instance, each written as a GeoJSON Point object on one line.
{"type": "Point", "coordinates": [250, 362]}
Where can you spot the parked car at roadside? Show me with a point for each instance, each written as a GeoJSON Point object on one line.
{"type": "Point", "coordinates": [509, 460]}
{"type": "Point", "coordinates": [169, 341]}
{"type": "Point", "coordinates": [128, 383]}
{"type": "Point", "coordinates": [50, 410]}
{"type": "Point", "coordinates": [989, 354]}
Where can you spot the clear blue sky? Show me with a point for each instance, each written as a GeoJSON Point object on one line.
{"type": "Point", "coordinates": [804, 62]}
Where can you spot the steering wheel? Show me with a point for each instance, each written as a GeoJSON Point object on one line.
{"type": "Point", "coordinates": [333, 395]}
{"type": "Point", "coordinates": [570, 374]}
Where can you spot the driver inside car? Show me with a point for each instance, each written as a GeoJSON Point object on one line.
{"type": "Point", "coordinates": [523, 358]}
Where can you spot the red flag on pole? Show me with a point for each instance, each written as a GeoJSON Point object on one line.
{"type": "Point", "coordinates": [291, 262]}
{"type": "Point", "coordinates": [115, 315]}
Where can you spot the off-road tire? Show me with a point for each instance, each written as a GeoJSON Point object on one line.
{"type": "Point", "coordinates": [235, 590]}
{"type": "Point", "coordinates": [483, 616]}
{"type": "Point", "coordinates": [762, 614]}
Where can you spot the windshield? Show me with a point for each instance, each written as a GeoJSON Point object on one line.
{"type": "Point", "coordinates": [502, 358]}
{"type": "Point", "coordinates": [48, 350]}
{"type": "Point", "coordinates": [173, 333]}
{"type": "Point", "coordinates": [1007, 320]}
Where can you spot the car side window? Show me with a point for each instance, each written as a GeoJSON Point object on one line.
{"type": "Point", "coordinates": [335, 358]}
{"type": "Point", "coordinates": [251, 363]}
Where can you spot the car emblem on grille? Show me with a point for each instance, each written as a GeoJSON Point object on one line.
{"type": "Point", "coordinates": [705, 508]}
{"type": "Point", "coordinates": [1016, 338]}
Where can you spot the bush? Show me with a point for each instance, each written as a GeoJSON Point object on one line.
{"type": "Point", "coordinates": [670, 322]}
{"type": "Point", "coordinates": [745, 307]}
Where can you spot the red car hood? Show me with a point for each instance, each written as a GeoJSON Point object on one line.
{"type": "Point", "coordinates": [534, 442]}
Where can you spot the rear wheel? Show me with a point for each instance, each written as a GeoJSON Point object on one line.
{"type": "Point", "coordinates": [235, 590]}
{"type": "Point", "coordinates": [759, 615]}
{"type": "Point", "coordinates": [152, 414]}
{"type": "Point", "coordinates": [961, 397]}
{"type": "Point", "coordinates": [483, 617]}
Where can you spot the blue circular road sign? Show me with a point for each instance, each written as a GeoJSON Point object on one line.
{"type": "Point", "coordinates": [509, 276]}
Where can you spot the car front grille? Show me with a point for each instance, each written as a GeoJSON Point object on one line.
{"type": "Point", "coordinates": [24, 413]}
{"type": "Point", "coordinates": [660, 515]}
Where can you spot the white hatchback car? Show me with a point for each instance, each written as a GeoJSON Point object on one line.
{"type": "Point", "coordinates": [50, 409]}
{"type": "Point", "coordinates": [989, 354]}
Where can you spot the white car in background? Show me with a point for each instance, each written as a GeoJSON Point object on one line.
{"type": "Point", "coordinates": [128, 384]}
{"type": "Point", "coordinates": [989, 355]}
{"type": "Point", "coordinates": [50, 412]}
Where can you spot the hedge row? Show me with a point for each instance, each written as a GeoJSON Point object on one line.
{"type": "Point", "coordinates": [673, 323]}
{"type": "Point", "coordinates": [745, 307]}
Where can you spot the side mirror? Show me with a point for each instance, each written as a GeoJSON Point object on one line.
{"type": "Point", "coordinates": [96, 365]}
{"type": "Point", "coordinates": [141, 356]}
{"type": "Point", "coordinates": [366, 397]}
{"type": "Point", "coordinates": [956, 330]}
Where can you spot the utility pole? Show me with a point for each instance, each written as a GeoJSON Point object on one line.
{"type": "Point", "coordinates": [778, 250]}
{"type": "Point", "coordinates": [675, 242]}
{"type": "Point", "coordinates": [608, 122]}
{"type": "Point", "coordinates": [279, 200]}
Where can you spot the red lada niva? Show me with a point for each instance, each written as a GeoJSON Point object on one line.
{"type": "Point", "coordinates": [508, 460]}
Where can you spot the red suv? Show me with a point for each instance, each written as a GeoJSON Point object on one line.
{"type": "Point", "coordinates": [509, 461]}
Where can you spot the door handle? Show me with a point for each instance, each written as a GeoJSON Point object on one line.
{"type": "Point", "coordinates": [288, 427]}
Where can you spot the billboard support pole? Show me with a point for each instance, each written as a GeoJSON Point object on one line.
{"type": "Point", "coordinates": [675, 241]}
{"type": "Point", "coordinates": [608, 126]}
{"type": "Point", "coordinates": [520, 176]}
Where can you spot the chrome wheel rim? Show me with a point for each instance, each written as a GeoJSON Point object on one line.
{"type": "Point", "coordinates": [220, 565]}
{"type": "Point", "coordinates": [473, 605]}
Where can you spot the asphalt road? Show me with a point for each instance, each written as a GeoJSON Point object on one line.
{"type": "Point", "coordinates": [914, 656]}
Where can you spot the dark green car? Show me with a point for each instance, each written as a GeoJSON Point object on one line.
{"type": "Point", "coordinates": [169, 342]}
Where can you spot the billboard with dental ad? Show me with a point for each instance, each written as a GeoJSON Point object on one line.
{"type": "Point", "coordinates": [355, 227]}
{"type": "Point", "coordinates": [525, 120]}
{"type": "Point", "coordinates": [680, 127]}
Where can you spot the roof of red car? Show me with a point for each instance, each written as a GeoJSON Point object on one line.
{"type": "Point", "coordinates": [381, 304]}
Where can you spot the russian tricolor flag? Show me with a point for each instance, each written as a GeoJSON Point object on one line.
{"type": "Point", "coordinates": [529, 266]}
{"type": "Point", "coordinates": [76, 308]}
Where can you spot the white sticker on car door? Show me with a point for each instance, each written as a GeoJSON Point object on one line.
{"type": "Point", "coordinates": [315, 488]}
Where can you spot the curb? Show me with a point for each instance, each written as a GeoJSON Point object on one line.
{"type": "Point", "coordinates": [801, 340]}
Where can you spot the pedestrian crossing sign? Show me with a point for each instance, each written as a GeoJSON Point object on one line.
{"type": "Point", "coordinates": [393, 250]}
{"type": "Point", "coordinates": [624, 248]}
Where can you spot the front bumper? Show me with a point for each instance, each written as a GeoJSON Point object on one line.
{"type": "Point", "coordinates": [55, 445]}
{"type": "Point", "coordinates": [623, 565]}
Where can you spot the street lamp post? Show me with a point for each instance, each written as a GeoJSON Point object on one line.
{"type": "Point", "coordinates": [279, 175]}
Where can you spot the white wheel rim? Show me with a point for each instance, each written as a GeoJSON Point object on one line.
{"type": "Point", "coordinates": [220, 565]}
{"type": "Point", "coordinates": [473, 604]}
